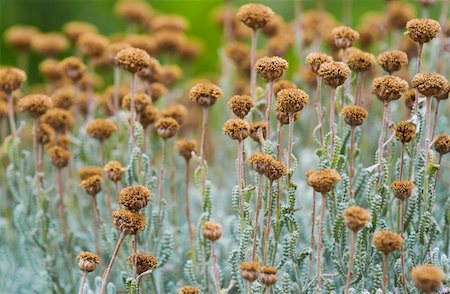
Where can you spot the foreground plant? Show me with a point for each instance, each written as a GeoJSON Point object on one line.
{"type": "Point", "coordinates": [87, 262]}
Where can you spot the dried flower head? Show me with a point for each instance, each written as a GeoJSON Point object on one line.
{"type": "Point", "coordinates": [255, 16]}
{"type": "Point", "coordinates": [422, 30]}
{"type": "Point", "coordinates": [87, 261]}
{"type": "Point", "coordinates": [276, 170]}
{"type": "Point", "coordinates": [257, 130]}
{"type": "Point", "coordinates": [135, 198]}
{"type": "Point", "coordinates": [141, 101]}
{"type": "Point", "coordinates": [44, 133]}
{"type": "Point", "coordinates": [59, 119]}
{"type": "Point", "coordinates": [444, 93]}
{"type": "Point", "coordinates": [268, 275]}
{"type": "Point", "coordinates": [356, 218]}
{"type": "Point", "coordinates": [114, 170]}
{"type": "Point", "coordinates": [101, 129]}
{"type": "Point", "coordinates": [144, 42]}
{"type": "Point", "coordinates": [166, 127]}
{"type": "Point", "coordinates": [291, 100]}
{"type": "Point", "coordinates": [323, 181]}
{"type": "Point", "coordinates": [63, 97]}
{"type": "Point", "coordinates": [19, 37]}
{"type": "Point", "coordinates": [144, 262]}
{"type": "Point", "coordinates": [60, 157]}
{"type": "Point", "coordinates": [186, 147]}
{"type": "Point", "coordinates": [92, 185]}
{"type": "Point", "coordinates": [392, 61]}
{"type": "Point", "coordinates": [11, 79]}
{"type": "Point", "coordinates": [399, 13]}
{"type": "Point", "coordinates": [410, 98]}
{"type": "Point", "coordinates": [427, 278]}
{"type": "Point", "coordinates": [132, 59]}
{"type": "Point", "coordinates": [74, 29]}
{"type": "Point", "coordinates": [334, 73]}
{"type": "Point", "coordinates": [274, 27]}
{"type": "Point", "coordinates": [402, 189]}
{"type": "Point", "coordinates": [88, 171]}
{"type": "Point", "coordinates": [260, 162]}
{"type": "Point", "coordinates": [136, 11]}
{"type": "Point", "coordinates": [51, 70]}
{"type": "Point", "coordinates": [316, 59]}
{"type": "Point", "coordinates": [429, 84]}
{"type": "Point", "coordinates": [176, 111]}
{"type": "Point", "coordinates": [249, 270]}
{"type": "Point", "coordinates": [389, 88]}
{"type": "Point", "coordinates": [49, 44]}
{"type": "Point", "coordinates": [148, 116]}
{"type": "Point", "coordinates": [241, 105]}
{"type": "Point", "coordinates": [169, 23]}
{"type": "Point", "coordinates": [212, 231]}
{"type": "Point", "coordinates": [128, 221]}
{"type": "Point", "coordinates": [354, 115]}
{"type": "Point", "coordinates": [282, 85]}
{"type": "Point", "coordinates": [189, 290]}
{"type": "Point", "coordinates": [114, 48]}
{"type": "Point", "coordinates": [442, 144]}
{"type": "Point", "coordinates": [271, 68]}
{"type": "Point", "coordinates": [92, 45]}
{"type": "Point", "coordinates": [344, 37]}
{"type": "Point", "coordinates": [280, 44]}
{"type": "Point", "coordinates": [237, 129]}
{"type": "Point", "coordinates": [205, 94]}
{"type": "Point", "coordinates": [238, 52]}
{"type": "Point", "coordinates": [387, 241]}
{"type": "Point", "coordinates": [169, 75]}
{"type": "Point", "coordinates": [73, 68]}
{"type": "Point", "coordinates": [283, 117]}
{"type": "Point", "coordinates": [35, 104]}
{"type": "Point", "coordinates": [157, 90]}
{"type": "Point", "coordinates": [360, 61]}
{"type": "Point", "coordinates": [405, 131]}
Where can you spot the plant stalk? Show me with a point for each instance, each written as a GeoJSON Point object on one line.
{"type": "Point", "coordinates": [111, 262]}
{"type": "Point", "coordinates": [319, 242]}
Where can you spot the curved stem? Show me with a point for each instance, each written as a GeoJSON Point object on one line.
{"type": "Point", "coordinates": [350, 160]}
{"type": "Point", "coordinates": [269, 215]}
{"type": "Point", "coordinates": [188, 210]}
{"type": "Point", "coordinates": [83, 281]}
{"type": "Point", "coordinates": [252, 63]}
{"type": "Point", "coordinates": [268, 108]}
{"type": "Point", "coordinates": [319, 106]}
{"type": "Point", "coordinates": [332, 124]}
{"type": "Point", "coordinates": [319, 242]}
{"type": "Point", "coordinates": [216, 275]}
{"type": "Point", "coordinates": [350, 261]}
{"type": "Point", "coordinates": [257, 208]}
{"type": "Point", "coordinates": [436, 111]}
{"type": "Point", "coordinates": [111, 262]}
{"type": "Point", "coordinates": [12, 123]}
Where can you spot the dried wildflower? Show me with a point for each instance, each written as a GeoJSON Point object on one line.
{"type": "Point", "coordinates": [137, 12]}
{"type": "Point", "coordinates": [74, 29]}
{"type": "Point", "coordinates": [166, 127]}
{"type": "Point", "coordinates": [276, 170]}
{"type": "Point", "coordinates": [280, 44]}
{"type": "Point", "coordinates": [186, 147]}
{"type": "Point", "coordinates": [148, 116]}
{"type": "Point", "coordinates": [168, 42]}
{"type": "Point", "coordinates": [92, 185]}
{"type": "Point", "coordinates": [282, 85]}
{"type": "Point", "coordinates": [427, 278]}
{"type": "Point", "coordinates": [238, 52]}
{"type": "Point", "coordinates": [260, 162]}
{"type": "Point", "coordinates": [35, 104]}
{"type": "Point", "coordinates": [87, 261]}
{"type": "Point", "coordinates": [249, 270]}
{"type": "Point", "coordinates": [389, 88]}
{"type": "Point", "coordinates": [49, 44]}
{"type": "Point", "coordinates": [392, 61]}
{"type": "Point", "coordinates": [237, 129]}
{"type": "Point", "coordinates": [402, 189]}
{"type": "Point", "coordinates": [59, 119]}
{"type": "Point", "coordinates": [274, 27]}
{"type": "Point", "coordinates": [316, 59]}
{"type": "Point", "coordinates": [19, 37]}
{"type": "Point", "coordinates": [405, 131]}
{"type": "Point", "coordinates": [241, 105]}
{"type": "Point", "coordinates": [101, 129]}
{"type": "Point", "coordinates": [176, 111]}
{"type": "Point", "coordinates": [114, 48]}
{"type": "Point", "coordinates": [144, 262]}
{"type": "Point", "coordinates": [73, 68]}
{"type": "Point", "coordinates": [410, 98]}
{"type": "Point", "coordinates": [323, 181]}
{"type": "Point", "coordinates": [144, 42]}
{"type": "Point", "coordinates": [205, 94]}
{"type": "Point", "coordinates": [132, 59]}
{"type": "Point", "coordinates": [141, 101]}
{"type": "Point", "coordinates": [92, 45]}
{"type": "Point", "coordinates": [60, 157]}
{"type": "Point", "coordinates": [212, 231]}
{"type": "Point", "coordinates": [344, 37]}
{"type": "Point", "coordinates": [360, 61]}
{"type": "Point", "coordinates": [169, 23]}
{"type": "Point", "coordinates": [354, 115]}
{"type": "Point", "coordinates": [88, 171]}
{"type": "Point", "coordinates": [356, 218]}
{"type": "Point", "coordinates": [169, 75]}
{"type": "Point", "coordinates": [114, 170]}
{"type": "Point", "coordinates": [90, 81]}
{"type": "Point", "coordinates": [268, 276]}
{"type": "Point", "coordinates": [63, 98]}
{"type": "Point", "coordinates": [157, 90]}
{"type": "Point", "coordinates": [444, 93]}
{"type": "Point", "coordinates": [442, 144]}
{"type": "Point", "coordinates": [399, 13]}
{"type": "Point", "coordinates": [44, 133]}
{"type": "Point", "coordinates": [283, 117]}
{"type": "Point", "coordinates": [128, 221]}
{"type": "Point", "coordinates": [387, 241]}
{"type": "Point", "coordinates": [258, 128]}
{"type": "Point", "coordinates": [189, 290]}
{"type": "Point", "coordinates": [429, 84]}
{"type": "Point", "coordinates": [422, 30]}
{"type": "Point", "coordinates": [334, 73]}
{"type": "Point", "coordinates": [291, 100]}
{"type": "Point", "coordinates": [255, 16]}
{"type": "Point", "coordinates": [271, 68]}
{"type": "Point", "coordinates": [11, 79]}
{"type": "Point", "coordinates": [135, 198]}
{"type": "Point", "coordinates": [50, 69]}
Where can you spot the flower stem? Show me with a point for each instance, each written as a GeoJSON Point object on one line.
{"type": "Point", "coordinates": [269, 213]}
{"type": "Point", "coordinates": [161, 182]}
{"type": "Point", "coordinates": [216, 276]}
{"type": "Point", "coordinates": [312, 241]}
{"type": "Point", "coordinates": [436, 111]}
{"type": "Point", "coordinates": [319, 106]}
{"type": "Point", "coordinates": [12, 123]}
{"type": "Point", "coordinates": [59, 186]}
{"type": "Point", "coordinates": [350, 261]}
{"type": "Point", "coordinates": [37, 164]}
{"type": "Point", "coordinates": [111, 262]}
{"type": "Point", "coordinates": [319, 241]}
{"type": "Point", "coordinates": [427, 132]}
{"type": "Point", "coordinates": [402, 157]}
{"type": "Point", "coordinates": [205, 111]}
{"type": "Point", "coordinates": [359, 86]}
{"type": "Point", "coordinates": [382, 135]}
{"type": "Point", "coordinates": [332, 124]}
{"type": "Point", "coordinates": [132, 108]}
{"type": "Point", "coordinates": [257, 209]}
{"type": "Point", "coordinates": [252, 63]}
{"type": "Point", "coordinates": [188, 211]}
{"type": "Point", "coordinates": [290, 139]}
{"type": "Point", "coordinates": [83, 280]}
{"type": "Point", "coordinates": [116, 89]}
{"type": "Point", "coordinates": [239, 177]}
{"type": "Point", "coordinates": [402, 251]}
{"type": "Point", "coordinates": [350, 161]}
{"type": "Point", "coordinates": [385, 273]}
{"type": "Point", "coordinates": [135, 243]}
{"type": "Point", "coordinates": [268, 108]}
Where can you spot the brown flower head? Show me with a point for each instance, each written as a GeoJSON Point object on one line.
{"type": "Point", "coordinates": [128, 221]}
{"type": "Point", "coordinates": [87, 261]}
{"type": "Point", "coordinates": [402, 189]}
{"type": "Point", "coordinates": [11, 79]}
{"type": "Point", "coordinates": [92, 185]}
{"type": "Point", "coordinates": [249, 270]}
{"type": "Point", "coordinates": [238, 52]}
{"type": "Point", "coordinates": [114, 170]}
{"type": "Point", "coordinates": [387, 241]}
{"type": "Point", "coordinates": [141, 101]}
{"type": "Point", "coordinates": [354, 115]}
{"type": "Point", "coordinates": [282, 85]}
{"type": "Point", "coordinates": [144, 262]}
{"type": "Point", "coordinates": [169, 23]}
{"type": "Point", "coordinates": [255, 16]}
{"type": "Point", "coordinates": [205, 94]}
{"type": "Point", "coordinates": [186, 147]}
{"type": "Point", "coordinates": [35, 104]}
{"type": "Point", "coordinates": [399, 13]}
{"type": "Point", "coordinates": [237, 129]}
{"type": "Point", "coordinates": [276, 170]}
{"type": "Point", "coordinates": [176, 111]}
{"type": "Point", "coordinates": [19, 37]}
{"type": "Point", "coordinates": [291, 100]}
{"type": "Point", "coordinates": [323, 181]}
{"type": "Point", "coordinates": [60, 157]}
{"type": "Point", "coordinates": [442, 144]}
{"type": "Point", "coordinates": [144, 42]}
{"type": "Point", "coordinates": [59, 119]}
{"type": "Point", "coordinates": [135, 198]}
{"type": "Point", "coordinates": [360, 61]}
{"type": "Point", "coordinates": [280, 45]}
{"type": "Point", "coordinates": [136, 11]}
{"type": "Point", "coordinates": [157, 90]}
{"type": "Point", "coordinates": [212, 231]}
{"type": "Point", "coordinates": [392, 61]}
{"type": "Point", "coordinates": [114, 48]}
{"type": "Point", "coordinates": [389, 88]}
{"type": "Point", "coordinates": [429, 84]}
{"type": "Point", "coordinates": [268, 275]}
{"type": "Point", "coordinates": [101, 129]}
{"type": "Point", "coordinates": [241, 105]}
{"type": "Point", "coordinates": [73, 68]}
{"type": "Point", "coordinates": [283, 117]}
{"type": "Point", "coordinates": [344, 37]}
{"type": "Point", "coordinates": [49, 44]}
{"type": "Point", "coordinates": [74, 29]}
{"type": "Point", "coordinates": [168, 42]}
{"type": "Point", "coordinates": [51, 70]}
{"type": "Point", "coordinates": [149, 116]}
{"type": "Point", "coordinates": [444, 93]}
{"type": "Point", "coordinates": [274, 27]}
{"type": "Point", "coordinates": [422, 30]}
{"type": "Point", "coordinates": [92, 45]}
{"type": "Point", "coordinates": [271, 68]}
{"type": "Point", "coordinates": [63, 97]}
{"type": "Point", "coordinates": [405, 131]}
{"type": "Point", "coordinates": [169, 75]}
{"type": "Point", "coordinates": [334, 73]}
{"type": "Point", "coordinates": [44, 133]}
{"type": "Point", "coordinates": [316, 59]}
{"type": "Point", "coordinates": [258, 129]}
{"type": "Point", "coordinates": [410, 98]}
{"type": "Point", "coordinates": [356, 218]}
{"type": "Point", "coordinates": [427, 278]}
{"type": "Point", "coordinates": [88, 171]}
{"type": "Point", "coordinates": [132, 59]}
{"type": "Point", "coordinates": [260, 162]}
{"type": "Point", "coordinates": [166, 127]}
{"type": "Point", "coordinates": [189, 290]}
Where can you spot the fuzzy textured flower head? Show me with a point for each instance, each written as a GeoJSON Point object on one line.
{"type": "Point", "coordinates": [334, 73]}
{"type": "Point", "coordinates": [389, 88]}
{"type": "Point", "coordinates": [63, 97]}
{"type": "Point", "coordinates": [356, 218]}
{"type": "Point", "coordinates": [11, 79]}
{"type": "Point", "coordinates": [238, 52]}
{"type": "Point", "coordinates": [87, 261]}
{"type": "Point", "coordinates": [249, 270]}
{"type": "Point", "coordinates": [132, 59]}
{"type": "Point", "coordinates": [282, 85]}
{"type": "Point", "coordinates": [136, 11]}
{"type": "Point", "coordinates": [276, 170]}
{"type": "Point", "coordinates": [427, 278]}
{"type": "Point", "coordinates": [283, 117]}
{"type": "Point", "coordinates": [271, 68]}
{"type": "Point", "coordinates": [387, 241]}
{"type": "Point", "coordinates": [44, 133]}
{"type": "Point", "coordinates": [402, 189]}
{"type": "Point", "coordinates": [422, 30]}
{"type": "Point", "coordinates": [344, 37]}
{"type": "Point", "coordinates": [444, 93]}
{"type": "Point", "coordinates": [92, 45]}
{"type": "Point", "coordinates": [141, 101]}
{"type": "Point", "coordinates": [60, 157]}
{"type": "Point", "coordinates": [442, 144]}
{"type": "Point", "coordinates": [392, 61]}
{"type": "Point", "coordinates": [429, 84]}
{"type": "Point", "coordinates": [128, 221]}
{"type": "Point", "coordinates": [88, 171]}
{"type": "Point", "coordinates": [135, 198]}
{"type": "Point", "coordinates": [399, 13]}
{"type": "Point", "coordinates": [237, 129]}
{"type": "Point", "coordinates": [255, 16]}
{"type": "Point", "coordinates": [205, 94]}
{"type": "Point", "coordinates": [316, 59]}
{"type": "Point", "coordinates": [114, 170]}
{"type": "Point", "coordinates": [169, 75]}
{"type": "Point", "coordinates": [360, 61]}
{"type": "Point", "coordinates": [114, 48]}
{"type": "Point", "coordinates": [74, 29]}
{"type": "Point", "coordinates": [101, 129]}
{"type": "Point", "coordinates": [73, 68]}
{"type": "Point", "coordinates": [51, 70]}
{"type": "Point", "coordinates": [241, 105]}
{"type": "Point", "coordinates": [354, 115]}
{"type": "Point", "coordinates": [260, 162]}
{"type": "Point", "coordinates": [176, 111]}
{"type": "Point", "coordinates": [212, 231]}
{"type": "Point", "coordinates": [323, 181]}
{"type": "Point", "coordinates": [186, 147]}
{"type": "Point", "coordinates": [92, 185]}
{"type": "Point", "coordinates": [19, 37]}
{"type": "Point", "coordinates": [49, 44]}
{"type": "Point", "coordinates": [59, 119]}
{"type": "Point", "coordinates": [268, 275]}
{"type": "Point", "coordinates": [149, 116]}
{"type": "Point", "coordinates": [35, 104]}
{"type": "Point", "coordinates": [157, 91]}
{"type": "Point", "coordinates": [291, 100]}
{"type": "Point", "coordinates": [258, 129]}
{"type": "Point", "coordinates": [166, 127]}
{"type": "Point", "coordinates": [405, 131]}
{"type": "Point", "coordinates": [189, 290]}
{"type": "Point", "coordinates": [144, 262]}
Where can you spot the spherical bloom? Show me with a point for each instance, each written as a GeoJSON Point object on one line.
{"type": "Point", "coordinates": [141, 101]}
{"type": "Point", "coordinates": [59, 119]}
{"type": "Point", "coordinates": [92, 45]}
{"type": "Point", "coordinates": [101, 129]}
{"type": "Point", "coordinates": [271, 68]}
{"type": "Point", "coordinates": [354, 115]}
{"type": "Point", "coordinates": [157, 90]}
{"type": "Point", "coordinates": [241, 105]}
{"type": "Point", "coordinates": [92, 185]}
{"type": "Point", "coordinates": [189, 290]}
{"type": "Point", "coordinates": [429, 84]}
{"type": "Point", "coordinates": [169, 75]}
{"type": "Point", "coordinates": [283, 117]}
{"type": "Point", "coordinates": [144, 262]}
{"type": "Point", "coordinates": [427, 278]}
{"type": "Point", "coordinates": [49, 44]}
{"type": "Point", "coordinates": [144, 42]}
{"type": "Point", "coordinates": [63, 97]}
{"type": "Point", "coordinates": [169, 23]}
{"type": "Point", "coordinates": [268, 276]}
{"type": "Point", "coordinates": [422, 30]}
{"type": "Point", "coordinates": [316, 59]}
{"type": "Point", "coordinates": [387, 241]}
{"type": "Point", "coordinates": [132, 59]}
{"type": "Point", "coordinates": [19, 37]}
{"type": "Point", "coordinates": [44, 133]}
{"type": "Point", "coordinates": [35, 104]}
{"type": "Point", "coordinates": [135, 198]}
{"type": "Point", "coordinates": [442, 144]}
{"type": "Point", "coordinates": [258, 129]}
{"type": "Point", "coordinates": [402, 189]}
{"type": "Point", "coordinates": [254, 16]}
{"type": "Point", "coordinates": [186, 147]}
{"type": "Point", "coordinates": [176, 111]}
{"type": "Point", "coordinates": [356, 218]}
{"type": "Point", "coordinates": [260, 162]}
{"type": "Point", "coordinates": [205, 94]}
{"type": "Point", "coordinates": [249, 270]}
{"type": "Point", "coordinates": [444, 93]}
{"type": "Point", "coordinates": [323, 181]}
{"type": "Point", "coordinates": [410, 98]}
{"type": "Point", "coordinates": [291, 100]}
{"type": "Point", "coordinates": [360, 61]}
{"type": "Point", "coordinates": [114, 170]}
{"type": "Point", "coordinates": [389, 88]}
{"type": "Point", "coordinates": [137, 12]}
{"type": "Point", "coordinates": [73, 68]}
{"type": "Point", "coordinates": [128, 221]}
{"type": "Point", "coordinates": [51, 70]}
{"type": "Point", "coordinates": [237, 129]}
{"type": "Point", "coordinates": [114, 48]}
{"type": "Point", "coordinates": [344, 37]}
{"type": "Point", "coordinates": [11, 79]}
{"type": "Point", "coordinates": [334, 73]}
{"type": "Point", "coordinates": [238, 52]}
{"type": "Point", "coordinates": [399, 13]}
{"type": "Point", "coordinates": [212, 231]}
{"type": "Point", "coordinates": [392, 61]}
{"type": "Point", "coordinates": [166, 127]}
{"type": "Point", "coordinates": [74, 29]}
{"type": "Point", "coordinates": [87, 261]}
{"type": "Point", "coordinates": [149, 116]}
{"type": "Point", "coordinates": [60, 157]}
{"type": "Point", "coordinates": [282, 85]}
{"type": "Point", "coordinates": [276, 170]}
{"type": "Point", "coordinates": [405, 131]}
{"type": "Point", "coordinates": [88, 171]}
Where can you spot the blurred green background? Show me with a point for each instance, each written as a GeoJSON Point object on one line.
{"type": "Point", "coordinates": [50, 15]}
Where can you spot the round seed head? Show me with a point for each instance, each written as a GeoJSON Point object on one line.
{"type": "Point", "coordinates": [186, 147]}
{"type": "Point", "coordinates": [344, 37]}
{"type": "Point", "coordinates": [189, 290]}
{"type": "Point", "coordinates": [19, 37]}
{"type": "Point", "coordinates": [260, 162]}
{"type": "Point", "coordinates": [241, 105]}
{"type": "Point", "coordinates": [422, 30]}
{"type": "Point", "coordinates": [114, 170]}
{"type": "Point", "coordinates": [60, 119]}
{"type": "Point", "coordinates": [51, 70]}
{"type": "Point", "coordinates": [157, 90]}
{"type": "Point", "coordinates": [141, 101]}
{"type": "Point", "coordinates": [410, 98]}
{"type": "Point", "coordinates": [360, 61]}
{"type": "Point", "coordinates": [44, 133]}
{"type": "Point", "coordinates": [166, 127]}
{"type": "Point", "coordinates": [92, 185]}
{"type": "Point", "coordinates": [49, 44]}
{"type": "Point", "coordinates": [205, 94]}
{"type": "Point", "coordinates": [101, 129]}
{"type": "Point", "coordinates": [92, 45]}
{"type": "Point", "coordinates": [398, 14]}
{"type": "Point", "coordinates": [271, 68]}
{"type": "Point", "coordinates": [323, 181]}
{"type": "Point", "coordinates": [387, 241]}
{"type": "Point", "coordinates": [135, 198]}
{"type": "Point", "coordinates": [212, 231]}
{"type": "Point", "coordinates": [291, 100]}
{"type": "Point", "coordinates": [132, 59]}
{"type": "Point", "coordinates": [74, 29]}
{"type": "Point", "coordinates": [249, 270]}
{"type": "Point", "coordinates": [442, 144]}
{"type": "Point", "coordinates": [237, 129]}
{"type": "Point", "coordinates": [405, 131]}
{"type": "Point", "coordinates": [88, 171]}
{"type": "Point", "coordinates": [149, 116]}
{"type": "Point", "coordinates": [258, 129]}
{"type": "Point", "coordinates": [283, 117]}
{"type": "Point", "coordinates": [169, 23]}
{"type": "Point", "coordinates": [137, 12]}
{"type": "Point", "coordinates": [169, 75]}
{"type": "Point", "coordinates": [168, 42]}
{"type": "Point", "coordinates": [356, 218]}
{"type": "Point", "coordinates": [144, 42]}
{"type": "Point", "coordinates": [113, 48]}
{"type": "Point", "coordinates": [429, 84]}
{"type": "Point", "coordinates": [280, 44]}
{"type": "Point", "coordinates": [144, 262]}
{"type": "Point", "coordinates": [427, 278]}
{"type": "Point", "coordinates": [268, 276]}
{"type": "Point", "coordinates": [276, 170]}
{"type": "Point", "coordinates": [176, 111]}
{"type": "Point", "coordinates": [63, 98]}
{"type": "Point", "coordinates": [255, 16]}
{"type": "Point", "coordinates": [392, 61]}
{"type": "Point", "coordinates": [334, 73]}
{"type": "Point", "coordinates": [128, 221]}
{"type": "Point", "coordinates": [402, 189]}
{"type": "Point", "coordinates": [238, 52]}
{"type": "Point", "coordinates": [444, 93]}
{"type": "Point", "coordinates": [274, 27]}
{"type": "Point", "coordinates": [73, 68]}
{"type": "Point", "coordinates": [60, 157]}
{"type": "Point", "coordinates": [316, 59]}
{"type": "Point", "coordinates": [354, 115]}
{"type": "Point", "coordinates": [389, 88]}
{"type": "Point", "coordinates": [35, 104]}
{"type": "Point", "coordinates": [282, 85]}
{"type": "Point", "coordinates": [87, 261]}
{"type": "Point", "coordinates": [11, 79]}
